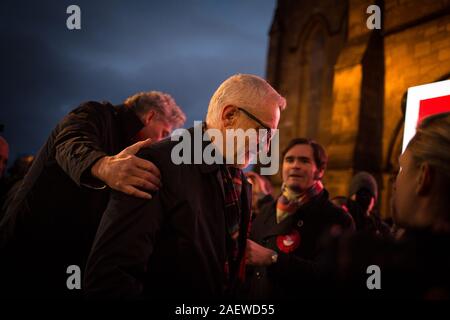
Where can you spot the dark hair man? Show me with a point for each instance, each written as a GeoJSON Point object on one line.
{"type": "Point", "coordinates": [285, 243]}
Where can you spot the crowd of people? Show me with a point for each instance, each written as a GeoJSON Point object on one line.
{"type": "Point", "coordinates": [103, 194]}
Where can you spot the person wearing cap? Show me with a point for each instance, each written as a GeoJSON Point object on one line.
{"type": "Point", "coordinates": [363, 195]}
{"type": "Point", "coordinates": [285, 240]}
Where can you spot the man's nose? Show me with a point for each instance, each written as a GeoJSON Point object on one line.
{"type": "Point", "coordinates": [296, 164]}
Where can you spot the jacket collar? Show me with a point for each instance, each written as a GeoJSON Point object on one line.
{"type": "Point", "coordinates": [214, 167]}
{"type": "Point", "coordinates": [286, 225]}
{"type": "Point", "coordinates": [204, 167]}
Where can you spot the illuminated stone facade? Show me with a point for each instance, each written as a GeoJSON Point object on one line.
{"type": "Point", "coordinates": [344, 83]}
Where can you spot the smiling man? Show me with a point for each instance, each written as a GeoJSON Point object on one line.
{"type": "Point", "coordinates": [285, 249]}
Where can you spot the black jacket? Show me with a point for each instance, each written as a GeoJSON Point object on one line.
{"type": "Point", "coordinates": [172, 246]}
{"type": "Point", "coordinates": [414, 267]}
{"type": "Point", "coordinates": [296, 273]}
{"type": "Point", "coordinates": [371, 224]}
{"type": "Point", "coordinates": [52, 220]}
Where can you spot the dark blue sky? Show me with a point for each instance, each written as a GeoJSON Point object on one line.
{"type": "Point", "coordinates": [186, 48]}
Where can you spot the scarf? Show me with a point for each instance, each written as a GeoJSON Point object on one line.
{"type": "Point", "coordinates": [232, 181]}
{"type": "Point", "coordinates": [290, 201]}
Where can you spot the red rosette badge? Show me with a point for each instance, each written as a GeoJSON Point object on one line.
{"type": "Point", "coordinates": [288, 242]}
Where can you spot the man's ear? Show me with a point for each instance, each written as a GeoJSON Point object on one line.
{"type": "Point", "coordinates": [229, 116]}
{"type": "Point", "coordinates": [424, 179]}
{"type": "Point", "coordinates": [148, 117]}
{"type": "Point", "coordinates": [371, 204]}
{"type": "Point", "coordinates": [318, 175]}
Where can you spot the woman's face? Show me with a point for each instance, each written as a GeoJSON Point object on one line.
{"type": "Point", "coordinates": [405, 195]}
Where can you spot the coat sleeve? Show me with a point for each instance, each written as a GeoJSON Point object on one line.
{"type": "Point", "coordinates": [291, 269]}
{"type": "Point", "coordinates": [78, 143]}
{"type": "Point", "coordinates": [124, 241]}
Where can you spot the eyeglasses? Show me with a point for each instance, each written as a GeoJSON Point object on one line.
{"type": "Point", "coordinates": [254, 118]}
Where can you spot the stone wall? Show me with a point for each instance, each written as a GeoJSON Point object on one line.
{"type": "Point", "coordinates": [344, 83]}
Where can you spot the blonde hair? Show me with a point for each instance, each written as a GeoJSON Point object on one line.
{"type": "Point", "coordinates": [243, 90]}
{"type": "Point", "coordinates": [162, 103]}
{"type": "Point", "coordinates": [431, 143]}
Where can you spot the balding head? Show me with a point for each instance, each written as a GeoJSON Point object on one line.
{"type": "Point", "coordinates": [244, 90]}
{"type": "Point", "coordinates": [245, 102]}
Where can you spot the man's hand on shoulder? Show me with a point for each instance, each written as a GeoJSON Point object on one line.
{"type": "Point", "coordinates": [128, 173]}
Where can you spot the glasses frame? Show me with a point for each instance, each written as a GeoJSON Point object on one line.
{"type": "Point", "coordinates": [254, 118]}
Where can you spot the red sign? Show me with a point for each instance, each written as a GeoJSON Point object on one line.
{"type": "Point", "coordinates": [433, 106]}
{"type": "Point", "coordinates": [424, 101]}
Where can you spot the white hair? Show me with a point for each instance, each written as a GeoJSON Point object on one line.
{"type": "Point", "coordinates": [243, 90]}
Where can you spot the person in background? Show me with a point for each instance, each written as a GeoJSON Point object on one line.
{"type": "Point", "coordinates": [341, 202]}
{"type": "Point", "coordinates": [422, 208]}
{"type": "Point", "coordinates": [16, 174]}
{"type": "Point", "coordinates": [261, 191]}
{"type": "Point", "coordinates": [363, 195]}
{"type": "Point", "coordinates": [4, 155]}
{"type": "Point", "coordinates": [416, 265]}
{"type": "Point", "coordinates": [51, 222]}
{"type": "Point", "coordinates": [285, 240]}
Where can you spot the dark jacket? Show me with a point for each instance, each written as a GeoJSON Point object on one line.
{"type": "Point", "coordinates": [371, 224]}
{"type": "Point", "coordinates": [52, 220]}
{"type": "Point", "coordinates": [414, 267]}
{"type": "Point", "coordinates": [172, 246]}
{"type": "Point", "coordinates": [298, 268]}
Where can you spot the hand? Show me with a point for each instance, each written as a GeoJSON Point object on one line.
{"type": "Point", "coordinates": [126, 173]}
{"type": "Point", "coordinates": [257, 255]}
